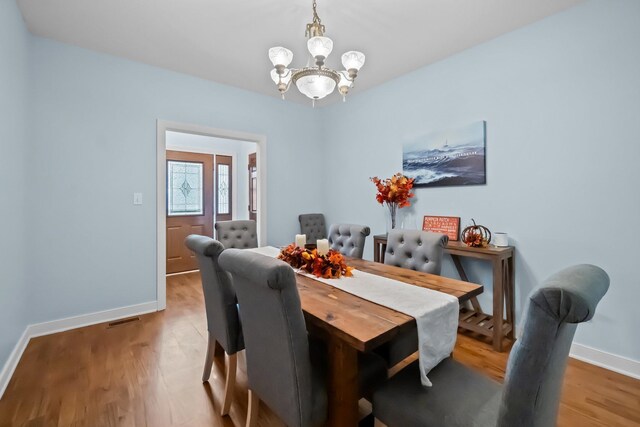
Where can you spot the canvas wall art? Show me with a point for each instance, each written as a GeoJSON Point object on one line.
{"type": "Point", "coordinates": [446, 158]}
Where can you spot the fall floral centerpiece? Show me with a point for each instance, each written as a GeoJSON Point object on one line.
{"type": "Point", "coordinates": [328, 266]}
{"type": "Point", "coordinates": [395, 192]}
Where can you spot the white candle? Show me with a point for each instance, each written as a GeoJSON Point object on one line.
{"type": "Point", "coordinates": [301, 240]}
{"type": "Point", "coordinates": [323, 246]}
{"type": "Point", "coordinates": [500, 239]}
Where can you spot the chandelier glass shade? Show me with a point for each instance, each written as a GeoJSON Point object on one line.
{"type": "Point", "coordinates": [315, 84]}
{"type": "Point", "coordinates": [320, 46]}
{"type": "Point", "coordinates": [316, 81]}
{"type": "Point", "coordinates": [280, 56]}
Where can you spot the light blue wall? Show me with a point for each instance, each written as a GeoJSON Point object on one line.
{"type": "Point", "coordinates": [14, 44]}
{"type": "Point", "coordinates": [562, 103]}
{"type": "Point", "coordinates": [561, 98]}
{"type": "Point", "coordinates": [94, 143]}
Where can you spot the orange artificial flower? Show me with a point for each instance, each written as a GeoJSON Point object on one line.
{"type": "Point", "coordinates": [332, 265]}
{"type": "Point", "coordinates": [394, 190]}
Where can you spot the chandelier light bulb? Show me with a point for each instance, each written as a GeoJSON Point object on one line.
{"type": "Point", "coordinates": [280, 56]}
{"type": "Point", "coordinates": [353, 60]}
{"type": "Point", "coordinates": [320, 46]}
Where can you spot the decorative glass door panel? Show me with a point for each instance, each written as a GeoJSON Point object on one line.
{"type": "Point", "coordinates": [224, 188]}
{"type": "Point", "coordinates": [185, 188]}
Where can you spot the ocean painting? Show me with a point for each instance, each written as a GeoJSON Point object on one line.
{"type": "Point", "coordinates": [446, 158]}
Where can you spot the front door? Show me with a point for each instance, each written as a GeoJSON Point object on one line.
{"type": "Point", "coordinates": [189, 205]}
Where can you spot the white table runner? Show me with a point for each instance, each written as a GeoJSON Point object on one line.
{"type": "Point", "coordinates": [436, 313]}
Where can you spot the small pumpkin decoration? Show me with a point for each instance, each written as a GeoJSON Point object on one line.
{"type": "Point", "coordinates": [476, 236]}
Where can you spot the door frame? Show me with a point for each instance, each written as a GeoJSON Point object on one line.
{"type": "Point", "coordinates": [162, 126]}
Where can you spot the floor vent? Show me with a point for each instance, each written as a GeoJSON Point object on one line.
{"type": "Point", "coordinates": [122, 322]}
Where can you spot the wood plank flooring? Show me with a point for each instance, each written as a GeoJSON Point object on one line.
{"type": "Point", "coordinates": [147, 373]}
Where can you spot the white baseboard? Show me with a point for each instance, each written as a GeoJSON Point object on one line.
{"type": "Point", "coordinates": [612, 362]}
{"type": "Point", "coordinates": [60, 325]}
{"type": "Point", "coordinates": [12, 362]}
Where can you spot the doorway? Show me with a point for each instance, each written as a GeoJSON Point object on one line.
{"type": "Point", "coordinates": [205, 185]}
{"type": "Point", "coordinates": [204, 175]}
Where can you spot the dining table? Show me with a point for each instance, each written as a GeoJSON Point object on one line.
{"type": "Point", "coordinates": [350, 324]}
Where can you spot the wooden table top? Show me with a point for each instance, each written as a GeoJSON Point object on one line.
{"type": "Point", "coordinates": [362, 324]}
{"type": "Point", "coordinates": [457, 247]}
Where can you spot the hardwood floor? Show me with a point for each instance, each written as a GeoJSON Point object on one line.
{"type": "Point", "coordinates": [147, 373]}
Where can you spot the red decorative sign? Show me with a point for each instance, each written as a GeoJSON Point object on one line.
{"type": "Point", "coordinates": [449, 225]}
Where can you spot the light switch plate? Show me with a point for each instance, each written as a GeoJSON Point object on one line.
{"type": "Point", "coordinates": [137, 198]}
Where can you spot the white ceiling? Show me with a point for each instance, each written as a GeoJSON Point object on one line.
{"type": "Point", "coordinates": [227, 40]}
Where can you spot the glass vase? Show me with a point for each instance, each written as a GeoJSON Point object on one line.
{"type": "Point", "coordinates": [392, 217]}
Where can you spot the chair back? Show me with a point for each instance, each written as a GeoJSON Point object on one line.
{"type": "Point", "coordinates": [277, 347]}
{"type": "Point", "coordinates": [313, 226]}
{"type": "Point", "coordinates": [416, 250]}
{"type": "Point", "coordinates": [238, 234]}
{"type": "Point", "coordinates": [348, 239]}
{"type": "Point", "coordinates": [537, 362]}
{"type": "Point", "coordinates": [219, 295]}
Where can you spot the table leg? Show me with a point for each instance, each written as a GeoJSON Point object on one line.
{"type": "Point", "coordinates": [511, 317]}
{"type": "Point", "coordinates": [458, 263]}
{"type": "Point", "coordinates": [343, 384]}
{"type": "Point", "coordinates": [463, 275]}
{"type": "Point", "coordinates": [498, 304]}
{"type": "Point", "coordinates": [383, 249]}
{"type": "Point", "coordinates": [376, 251]}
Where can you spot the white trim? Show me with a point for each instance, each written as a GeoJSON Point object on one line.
{"type": "Point", "coordinates": [60, 325]}
{"type": "Point", "coordinates": [12, 362]}
{"type": "Point", "coordinates": [612, 362]}
{"type": "Point", "coordinates": [183, 272]}
{"type": "Point", "coordinates": [162, 127]}
{"type": "Point", "coordinates": [201, 150]}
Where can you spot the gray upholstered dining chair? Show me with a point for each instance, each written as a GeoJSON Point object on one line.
{"type": "Point", "coordinates": [223, 322]}
{"type": "Point", "coordinates": [348, 239]}
{"type": "Point", "coordinates": [531, 392]}
{"type": "Point", "coordinates": [281, 369]}
{"type": "Point", "coordinates": [313, 226]}
{"type": "Point", "coordinates": [239, 234]}
{"type": "Point", "coordinates": [416, 250]}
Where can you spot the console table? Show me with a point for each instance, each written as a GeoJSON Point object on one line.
{"type": "Point", "coordinates": [473, 319]}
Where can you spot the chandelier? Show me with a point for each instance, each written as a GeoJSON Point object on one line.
{"type": "Point", "coordinates": [317, 81]}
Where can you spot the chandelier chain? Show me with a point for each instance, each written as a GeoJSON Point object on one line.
{"type": "Point", "coordinates": [316, 18]}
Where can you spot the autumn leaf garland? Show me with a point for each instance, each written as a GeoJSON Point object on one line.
{"type": "Point", "coordinates": [331, 265]}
